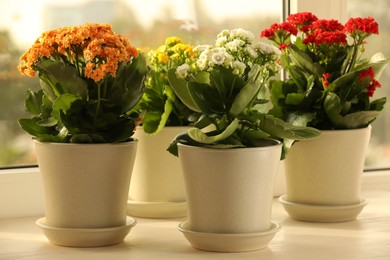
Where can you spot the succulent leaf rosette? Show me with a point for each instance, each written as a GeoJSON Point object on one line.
{"type": "Point", "coordinates": [159, 106]}
{"type": "Point", "coordinates": [225, 86]}
{"type": "Point", "coordinates": [329, 85]}
{"type": "Point", "coordinates": [90, 79]}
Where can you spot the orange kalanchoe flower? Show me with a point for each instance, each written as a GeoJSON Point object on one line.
{"type": "Point", "coordinates": [94, 49]}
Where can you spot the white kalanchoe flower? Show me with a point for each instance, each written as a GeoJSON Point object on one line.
{"type": "Point", "coordinates": [223, 34]}
{"type": "Point", "coordinates": [234, 45]}
{"type": "Point", "coordinates": [238, 68]}
{"type": "Point", "coordinates": [203, 59]}
{"type": "Point", "coordinates": [212, 57]}
{"type": "Point", "coordinates": [242, 34]}
{"type": "Point", "coordinates": [217, 56]}
{"type": "Point", "coordinates": [267, 48]}
{"type": "Point", "coordinates": [182, 71]}
{"type": "Point", "coordinates": [251, 51]}
{"type": "Point", "coordinates": [221, 41]}
{"type": "Point", "coordinates": [201, 48]}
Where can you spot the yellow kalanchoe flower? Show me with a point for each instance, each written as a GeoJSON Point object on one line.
{"type": "Point", "coordinates": [159, 105]}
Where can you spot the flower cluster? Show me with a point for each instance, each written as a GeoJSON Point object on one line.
{"type": "Point", "coordinates": [173, 53]}
{"type": "Point", "coordinates": [329, 85]}
{"type": "Point", "coordinates": [235, 50]}
{"type": "Point", "coordinates": [159, 105]}
{"type": "Point", "coordinates": [94, 49]}
{"type": "Point", "coordinates": [90, 79]}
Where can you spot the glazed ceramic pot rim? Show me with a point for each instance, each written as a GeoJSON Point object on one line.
{"type": "Point", "coordinates": [337, 131]}
{"type": "Point", "coordinates": [130, 142]}
{"type": "Point", "coordinates": [276, 145]}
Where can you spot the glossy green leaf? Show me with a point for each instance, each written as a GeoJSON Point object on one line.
{"type": "Point", "coordinates": [181, 89]}
{"type": "Point", "coordinates": [61, 78]}
{"type": "Point", "coordinates": [33, 102]}
{"type": "Point", "coordinates": [247, 93]}
{"type": "Point", "coordinates": [279, 128]}
{"type": "Point", "coordinates": [33, 127]}
{"type": "Point", "coordinates": [199, 136]}
{"type": "Point", "coordinates": [63, 103]}
{"type": "Point", "coordinates": [358, 119]}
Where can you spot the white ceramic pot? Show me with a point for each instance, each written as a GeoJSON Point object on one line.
{"type": "Point", "coordinates": [327, 171]}
{"type": "Point", "coordinates": [86, 185]}
{"type": "Point", "coordinates": [280, 180]}
{"type": "Point", "coordinates": [157, 187]}
{"type": "Point", "coordinates": [229, 191]}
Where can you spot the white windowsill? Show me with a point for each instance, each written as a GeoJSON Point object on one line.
{"type": "Point", "coordinates": [21, 191]}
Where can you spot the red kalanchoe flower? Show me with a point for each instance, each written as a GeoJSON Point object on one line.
{"type": "Point", "coordinates": [372, 86]}
{"type": "Point", "coordinates": [283, 46]}
{"type": "Point", "coordinates": [369, 73]}
{"type": "Point", "coordinates": [366, 25]}
{"type": "Point", "coordinates": [325, 37]}
{"type": "Point", "coordinates": [302, 20]}
{"type": "Point", "coordinates": [325, 81]}
{"type": "Point", "coordinates": [268, 33]}
{"type": "Point", "coordinates": [366, 73]}
{"type": "Point", "coordinates": [288, 27]}
{"type": "Point", "coordinates": [327, 25]}
{"type": "Point", "coordinates": [284, 27]}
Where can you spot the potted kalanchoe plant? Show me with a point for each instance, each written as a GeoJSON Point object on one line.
{"type": "Point", "coordinates": [82, 125]}
{"type": "Point", "coordinates": [159, 105]}
{"type": "Point", "coordinates": [329, 87]}
{"type": "Point", "coordinates": [230, 156]}
{"type": "Point", "coordinates": [157, 189]}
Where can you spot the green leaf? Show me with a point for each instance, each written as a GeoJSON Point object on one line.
{"type": "Point", "coordinates": [344, 81]}
{"type": "Point", "coordinates": [63, 103]}
{"type": "Point", "coordinates": [281, 129]}
{"type": "Point", "coordinates": [33, 127]}
{"type": "Point", "coordinates": [150, 121]}
{"type": "Point", "coordinates": [302, 60]}
{"type": "Point", "coordinates": [180, 138]}
{"type": "Point", "coordinates": [378, 104]}
{"type": "Point", "coordinates": [294, 98]}
{"type": "Point", "coordinates": [154, 121]}
{"type": "Point", "coordinates": [276, 94]}
{"type": "Point", "coordinates": [333, 108]}
{"type": "Point", "coordinates": [378, 63]}
{"type": "Point", "coordinates": [224, 82]}
{"type": "Point", "coordinates": [128, 86]}
{"type": "Point", "coordinates": [197, 135]}
{"type": "Point", "coordinates": [358, 119]}
{"type": "Point", "coordinates": [181, 89]}
{"type": "Point", "coordinates": [206, 98]}
{"type": "Point", "coordinates": [300, 118]}
{"type": "Point", "coordinates": [33, 102]}
{"type": "Point", "coordinates": [258, 134]}
{"type": "Point", "coordinates": [164, 117]}
{"type": "Point", "coordinates": [247, 93]}
{"type": "Point", "coordinates": [60, 78]}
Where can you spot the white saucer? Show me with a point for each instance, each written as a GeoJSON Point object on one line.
{"type": "Point", "coordinates": [85, 237]}
{"type": "Point", "coordinates": [228, 242]}
{"type": "Point", "coordinates": [319, 213]}
{"type": "Point", "coordinates": [144, 209]}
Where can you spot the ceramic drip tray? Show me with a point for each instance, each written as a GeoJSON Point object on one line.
{"type": "Point", "coordinates": [320, 213]}
{"type": "Point", "coordinates": [85, 237]}
{"type": "Point", "coordinates": [218, 242]}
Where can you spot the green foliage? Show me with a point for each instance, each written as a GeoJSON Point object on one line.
{"type": "Point", "coordinates": [159, 106]}
{"type": "Point", "coordinates": [225, 102]}
{"type": "Point", "coordinates": [329, 85]}
{"type": "Point", "coordinates": [344, 104]}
